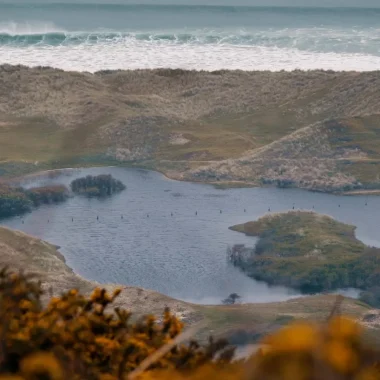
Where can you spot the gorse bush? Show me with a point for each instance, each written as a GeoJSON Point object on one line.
{"type": "Point", "coordinates": [75, 337]}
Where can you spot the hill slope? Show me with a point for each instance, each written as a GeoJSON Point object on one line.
{"type": "Point", "coordinates": [316, 130]}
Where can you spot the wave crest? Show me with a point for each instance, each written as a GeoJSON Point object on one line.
{"type": "Point", "coordinates": [306, 39]}
{"type": "Point", "coordinates": [14, 29]}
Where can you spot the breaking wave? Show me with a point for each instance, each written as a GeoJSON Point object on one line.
{"type": "Point", "coordinates": [322, 40]}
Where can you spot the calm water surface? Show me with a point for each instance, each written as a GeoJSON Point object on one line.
{"type": "Point", "coordinates": [184, 255]}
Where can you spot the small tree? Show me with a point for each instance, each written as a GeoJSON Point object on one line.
{"type": "Point", "coordinates": [231, 299]}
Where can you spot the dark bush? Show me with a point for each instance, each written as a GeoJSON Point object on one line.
{"type": "Point", "coordinates": [48, 194]}
{"type": "Point", "coordinates": [18, 201]}
{"type": "Point", "coordinates": [97, 186]}
{"type": "Point", "coordinates": [13, 201]}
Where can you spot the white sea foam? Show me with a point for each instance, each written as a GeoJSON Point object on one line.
{"type": "Point", "coordinates": [13, 28]}
{"type": "Point", "coordinates": [136, 54]}
{"type": "Point", "coordinates": [43, 43]}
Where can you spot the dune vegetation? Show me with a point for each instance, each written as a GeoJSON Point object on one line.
{"type": "Point", "coordinates": [310, 252]}
{"type": "Point", "coordinates": [80, 337]}
{"type": "Point", "coordinates": [97, 186]}
{"type": "Point", "coordinates": [315, 130]}
{"type": "Point", "coordinates": [17, 200]}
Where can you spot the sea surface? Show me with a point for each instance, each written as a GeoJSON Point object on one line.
{"type": "Point", "coordinates": [172, 236]}
{"type": "Point", "coordinates": [99, 36]}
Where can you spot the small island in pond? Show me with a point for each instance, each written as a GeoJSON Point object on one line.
{"type": "Point", "coordinates": [97, 186]}
{"type": "Point", "coordinates": [309, 252]}
{"type": "Point", "coordinates": [18, 201]}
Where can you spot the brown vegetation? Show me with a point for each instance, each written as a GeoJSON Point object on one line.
{"type": "Point", "coordinates": [316, 130]}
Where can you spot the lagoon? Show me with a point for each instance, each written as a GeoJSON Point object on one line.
{"type": "Point", "coordinates": [172, 236]}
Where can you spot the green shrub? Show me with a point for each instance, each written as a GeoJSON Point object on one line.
{"type": "Point", "coordinates": [97, 186]}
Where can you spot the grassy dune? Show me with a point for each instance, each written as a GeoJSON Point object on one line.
{"type": "Point", "coordinates": [315, 130]}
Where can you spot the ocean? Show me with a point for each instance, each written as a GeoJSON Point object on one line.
{"type": "Point", "coordinates": [99, 36]}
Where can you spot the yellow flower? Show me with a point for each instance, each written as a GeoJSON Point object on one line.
{"type": "Point", "coordinates": [137, 343]}
{"type": "Point", "coordinates": [63, 305]}
{"type": "Point", "coordinates": [108, 344]}
{"type": "Point", "coordinates": [294, 369]}
{"type": "Point", "coordinates": [25, 305]}
{"type": "Point", "coordinates": [343, 328]}
{"type": "Point", "coordinates": [340, 356]}
{"type": "Point", "coordinates": [296, 337]}
{"type": "Point", "coordinates": [54, 301]}
{"type": "Point", "coordinates": [96, 294]}
{"type": "Point", "coordinates": [42, 364]}
{"type": "Point", "coordinates": [22, 335]}
{"type": "Point", "coordinates": [43, 324]}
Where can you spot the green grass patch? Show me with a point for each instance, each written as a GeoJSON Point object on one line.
{"type": "Point", "coordinates": [308, 251]}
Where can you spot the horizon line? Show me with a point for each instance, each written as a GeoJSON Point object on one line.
{"type": "Point", "coordinates": [119, 3]}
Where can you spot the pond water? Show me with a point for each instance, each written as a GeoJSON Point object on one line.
{"type": "Point", "coordinates": [150, 236]}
